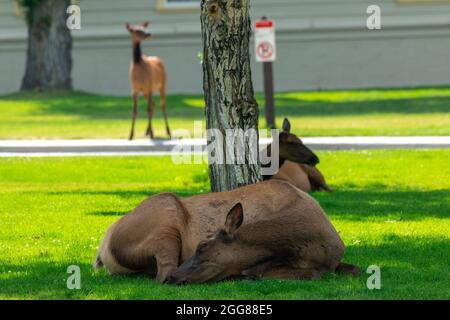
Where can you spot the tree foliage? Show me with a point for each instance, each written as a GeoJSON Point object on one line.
{"type": "Point", "coordinates": [28, 6]}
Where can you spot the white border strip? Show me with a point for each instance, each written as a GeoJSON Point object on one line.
{"type": "Point", "coordinates": [437, 140]}
{"type": "Point", "coordinates": [91, 154]}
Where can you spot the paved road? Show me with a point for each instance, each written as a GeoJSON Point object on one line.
{"type": "Point", "coordinates": [46, 148]}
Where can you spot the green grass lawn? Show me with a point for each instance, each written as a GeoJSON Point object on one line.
{"type": "Point", "coordinates": [390, 207]}
{"type": "Point", "coordinates": [329, 113]}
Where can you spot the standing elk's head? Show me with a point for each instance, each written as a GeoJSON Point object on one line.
{"type": "Point", "coordinates": [139, 32]}
{"type": "Point", "coordinates": [293, 149]}
{"type": "Point", "coordinates": [215, 259]}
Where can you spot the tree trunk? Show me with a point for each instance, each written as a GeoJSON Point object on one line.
{"type": "Point", "coordinates": [49, 61]}
{"type": "Point", "coordinates": [228, 88]}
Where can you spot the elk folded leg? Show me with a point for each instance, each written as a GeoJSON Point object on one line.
{"type": "Point", "coordinates": [167, 259]}
{"type": "Point", "coordinates": [291, 273]}
{"type": "Point", "coordinates": [270, 270]}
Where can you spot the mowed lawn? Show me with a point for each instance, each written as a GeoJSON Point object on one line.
{"type": "Point", "coordinates": [390, 207]}
{"type": "Point", "coordinates": [393, 112]}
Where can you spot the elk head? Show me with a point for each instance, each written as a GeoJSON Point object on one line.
{"type": "Point", "coordinates": [220, 257]}
{"type": "Point", "coordinates": [293, 149]}
{"type": "Point", "coordinates": [139, 32]}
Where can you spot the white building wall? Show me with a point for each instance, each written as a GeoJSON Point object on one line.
{"type": "Point", "coordinates": [322, 44]}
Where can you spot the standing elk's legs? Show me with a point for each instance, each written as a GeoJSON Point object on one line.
{"type": "Point", "coordinates": [134, 114]}
{"type": "Point", "coordinates": [150, 108]}
{"type": "Point", "coordinates": [163, 102]}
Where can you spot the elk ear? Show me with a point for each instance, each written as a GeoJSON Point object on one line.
{"type": "Point", "coordinates": [286, 125]}
{"type": "Point", "coordinates": [234, 219]}
{"type": "Point", "coordinates": [128, 26]}
{"type": "Point", "coordinates": [145, 24]}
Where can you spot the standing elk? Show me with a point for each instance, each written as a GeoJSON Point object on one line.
{"type": "Point", "coordinates": [147, 75]}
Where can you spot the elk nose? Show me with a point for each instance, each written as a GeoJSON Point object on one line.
{"type": "Point", "coordinates": [314, 160]}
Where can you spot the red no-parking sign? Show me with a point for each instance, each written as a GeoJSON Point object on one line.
{"type": "Point", "coordinates": [265, 48]}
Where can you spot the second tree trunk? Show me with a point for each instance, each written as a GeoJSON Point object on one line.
{"type": "Point", "coordinates": [49, 61]}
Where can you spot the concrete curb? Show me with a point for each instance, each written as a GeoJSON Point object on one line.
{"type": "Point", "coordinates": [110, 147]}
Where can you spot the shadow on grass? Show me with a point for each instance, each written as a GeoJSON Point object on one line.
{"type": "Point", "coordinates": [293, 107]}
{"type": "Point", "coordinates": [355, 205]}
{"type": "Point", "coordinates": [110, 108]}
{"type": "Point", "coordinates": [126, 194]}
{"type": "Point", "coordinates": [190, 106]}
{"type": "Point", "coordinates": [405, 205]}
{"type": "Point", "coordinates": [348, 204]}
{"type": "Point", "coordinates": [109, 213]}
{"type": "Point", "coordinates": [178, 106]}
{"type": "Point", "coordinates": [413, 266]}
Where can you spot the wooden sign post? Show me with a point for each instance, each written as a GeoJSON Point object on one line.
{"type": "Point", "coordinates": [265, 48]}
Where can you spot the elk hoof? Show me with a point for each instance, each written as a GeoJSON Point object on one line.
{"type": "Point", "coordinates": [149, 133]}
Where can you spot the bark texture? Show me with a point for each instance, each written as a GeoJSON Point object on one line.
{"type": "Point", "coordinates": [227, 83]}
{"type": "Point", "coordinates": [49, 61]}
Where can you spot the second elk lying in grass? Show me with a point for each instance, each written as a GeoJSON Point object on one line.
{"type": "Point", "coordinates": [297, 163]}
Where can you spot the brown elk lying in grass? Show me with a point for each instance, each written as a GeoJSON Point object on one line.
{"type": "Point", "coordinates": [282, 224]}
{"type": "Point", "coordinates": [298, 163]}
